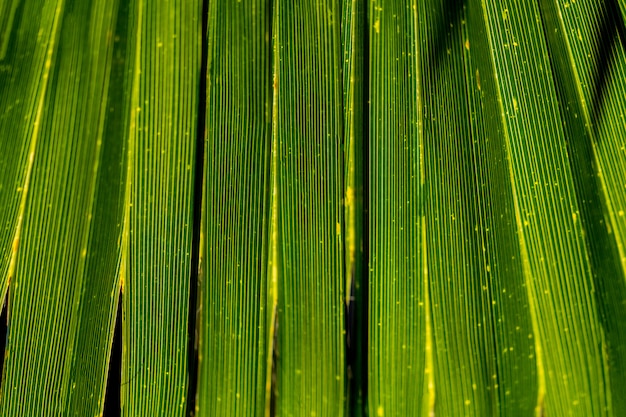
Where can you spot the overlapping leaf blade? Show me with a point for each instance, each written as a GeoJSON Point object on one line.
{"type": "Point", "coordinates": [308, 185]}
{"type": "Point", "coordinates": [570, 363]}
{"type": "Point", "coordinates": [483, 359]}
{"type": "Point", "coordinates": [234, 313]}
{"type": "Point", "coordinates": [400, 364]}
{"type": "Point", "coordinates": [81, 218]}
{"type": "Point", "coordinates": [25, 66]}
{"type": "Point", "coordinates": [586, 41]}
{"type": "Point", "coordinates": [63, 234]}
{"type": "Point", "coordinates": [495, 146]}
{"type": "Point", "coordinates": [157, 237]}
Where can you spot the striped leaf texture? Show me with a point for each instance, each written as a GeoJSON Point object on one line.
{"type": "Point", "coordinates": [235, 307]}
{"type": "Point", "coordinates": [308, 191]}
{"type": "Point", "coordinates": [313, 208]}
{"type": "Point", "coordinates": [99, 137]}
{"type": "Point", "coordinates": [163, 80]}
{"type": "Point", "coordinates": [55, 142]}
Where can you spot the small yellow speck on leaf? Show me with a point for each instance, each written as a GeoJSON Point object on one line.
{"type": "Point", "coordinates": [377, 26]}
{"type": "Point", "coordinates": [380, 412]}
{"type": "Point", "coordinates": [349, 196]}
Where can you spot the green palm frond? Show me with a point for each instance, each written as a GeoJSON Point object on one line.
{"type": "Point", "coordinates": [314, 208]}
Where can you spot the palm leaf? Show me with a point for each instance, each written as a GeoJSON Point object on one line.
{"type": "Point", "coordinates": [157, 236]}
{"type": "Point", "coordinates": [84, 229]}
{"type": "Point", "coordinates": [58, 231]}
{"type": "Point", "coordinates": [234, 310]}
{"type": "Point", "coordinates": [400, 361]}
{"type": "Point", "coordinates": [402, 208]}
{"type": "Point", "coordinates": [307, 133]}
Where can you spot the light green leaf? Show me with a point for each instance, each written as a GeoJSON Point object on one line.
{"type": "Point", "coordinates": [585, 46]}
{"type": "Point", "coordinates": [559, 276]}
{"type": "Point", "coordinates": [156, 243]}
{"type": "Point", "coordinates": [85, 230]}
{"type": "Point", "coordinates": [308, 190]}
{"type": "Point", "coordinates": [64, 253]}
{"type": "Point", "coordinates": [400, 338]}
{"type": "Point", "coordinates": [510, 215]}
{"type": "Point", "coordinates": [24, 70]}
{"type": "Point", "coordinates": [235, 339]}
{"type": "Point", "coordinates": [484, 360]}
{"type": "Point", "coordinates": [408, 208]}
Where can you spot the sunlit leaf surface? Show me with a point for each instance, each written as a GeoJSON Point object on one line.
{"type": "Point", "coordinates": [313, 208]}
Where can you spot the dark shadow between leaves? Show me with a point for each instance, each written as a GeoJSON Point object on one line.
{"type": "Point", "coordinates": [196, 267]}
{"type": "Point", "coordinates": [9, 27]}
{"type": "Point", "coordinates": [612, 31]}
{"type": "Point", "coordinates": [609, 288]}
{"type": "Point", "coordinates": [356, 308]}
{"type": "Point", "coordinates": [450, 18]}
{"type": "Point", "coordinates": [112, 401]}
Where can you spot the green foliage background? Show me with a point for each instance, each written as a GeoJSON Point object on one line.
{"type": "Point", "coordinates": [313, 207]}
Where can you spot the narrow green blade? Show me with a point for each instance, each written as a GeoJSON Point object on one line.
{"type": "Point", "coordinates": [25, 68]}
{"type": "Point", "coordinates": [400, 362]}
{"type": "Point", "coordinates": [67, 256]}
{"type": "Point", "coordinates": [508, 258]}
{"type": "Point", "coordinates": [571, 368]}
{"type": "Point", "coordinates": [409, 208]}
{"type": "Point", "coordinates": [100, 294]}
{"type": "Point", "coordinates": [484, 360]}
{"type": "Point", "coordinates": [234, 335]}
{"type": "Point", "coordinates": [586, 43]}
{"type": "Point", "coordinates": [308, 191]}
{"type": "Point", "coordinates": [157, 237]}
